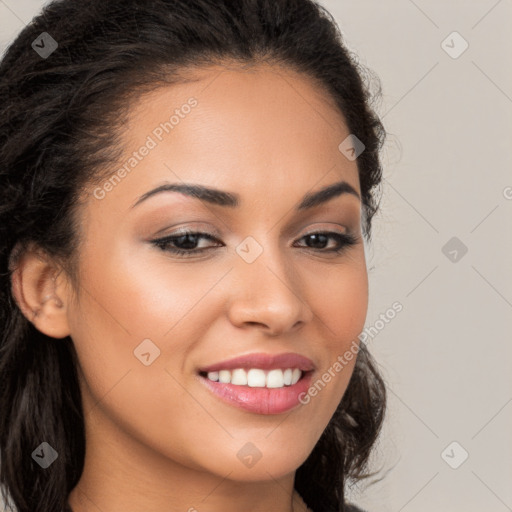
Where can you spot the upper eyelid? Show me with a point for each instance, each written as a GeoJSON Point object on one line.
{"type": "Point", "coordinates": [206, 233]}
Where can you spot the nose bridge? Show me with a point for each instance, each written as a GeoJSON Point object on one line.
{"type": "Point", "coordinates": [268, 291]}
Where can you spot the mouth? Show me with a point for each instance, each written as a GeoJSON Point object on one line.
{"type": "Point", "coordinates": [260, 383]}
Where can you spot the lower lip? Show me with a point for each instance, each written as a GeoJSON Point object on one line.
{"type": "Point", "coordinates": [261, 400]}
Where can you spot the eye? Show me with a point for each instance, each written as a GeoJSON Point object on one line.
{"type": "Point", "coordinates": [185, 243]}
{"type": "Point", "coordinates": [321, 238]}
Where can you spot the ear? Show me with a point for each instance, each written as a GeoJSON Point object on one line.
{"type": "Point", "coordinates": [37, 285]}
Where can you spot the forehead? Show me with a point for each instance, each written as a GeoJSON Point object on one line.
{"type": "Point", "coordinates": [249, 84]}
{"type": "Point", "coordinates": [234, 127]}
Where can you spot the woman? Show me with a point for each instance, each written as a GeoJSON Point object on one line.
{"type": "Point", "coordinates": [186, 189]}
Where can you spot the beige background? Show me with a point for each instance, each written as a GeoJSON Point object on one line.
{"type": "Point", "coordinates": [448, 173]}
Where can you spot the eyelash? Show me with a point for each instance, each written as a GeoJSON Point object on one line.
{"type": "Point", "coordinates": [345, 240]}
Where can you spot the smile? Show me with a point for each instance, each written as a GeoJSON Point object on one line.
{"type": "Point", "coordinates": [257, 378]}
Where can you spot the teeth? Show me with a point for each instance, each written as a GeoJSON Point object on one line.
{"type": "Point", "coordinates": [296, 375]}
{"type": "Point", "coordinates": [213, 376]}
{"type": "Point", "coordinates": [256, 378]}
{"type": "Point", "coordinates": [275, 379]}
{"type": "Point", "coordinates": [225, 376]}
{"type": "Point", "coordinates": [239, 377]}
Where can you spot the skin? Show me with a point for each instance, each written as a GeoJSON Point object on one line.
{"type": "Point", "coordinates": [157, 439]}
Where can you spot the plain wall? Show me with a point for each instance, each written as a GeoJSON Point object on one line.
{"type": "Point", "coordinates": [447, 164]}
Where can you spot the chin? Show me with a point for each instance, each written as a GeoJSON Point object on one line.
{"type": "Point", "coordinates": [253, 462]}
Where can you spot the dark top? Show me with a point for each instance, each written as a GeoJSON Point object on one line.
{"type": "Point", "coordinates": [354, 508]}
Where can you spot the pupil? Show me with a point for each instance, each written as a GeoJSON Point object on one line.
{"type": "Point", "coordinates": [181, 239]}
{"type": "Point", "coordinates": [318, 238]}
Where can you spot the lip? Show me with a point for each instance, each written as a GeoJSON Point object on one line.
{"type": "Point", "coordinates": [261, 400]}
{"type": "Point", "coordinates": [263, 362]}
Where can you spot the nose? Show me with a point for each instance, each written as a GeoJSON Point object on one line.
{"type": "Point", "coordinates": [270, 295]}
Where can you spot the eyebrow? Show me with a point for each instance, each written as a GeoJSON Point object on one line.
{"type": "Point", "coordinates": [232, 200]}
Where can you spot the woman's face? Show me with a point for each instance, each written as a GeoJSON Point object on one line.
{"type": "Point", "coordinates": [148, 319]}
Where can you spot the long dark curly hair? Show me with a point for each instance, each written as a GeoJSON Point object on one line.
{"type": "Point", "coordinates": [59, 119]}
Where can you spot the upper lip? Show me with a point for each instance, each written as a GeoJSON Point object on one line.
{"type": "Point", "coordinates": [264, 362]}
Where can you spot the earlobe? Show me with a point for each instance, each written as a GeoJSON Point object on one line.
{"type": "Point", "coordinates": [35, 290]}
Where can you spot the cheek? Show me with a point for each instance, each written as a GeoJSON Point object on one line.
{"type": "Point", "coordinates": [122, 304]}
{"type": "Point", "coordinates": [129, 297]}
{"type": "Point", "coordinates": [137, 292]}
{"type": "Point", "coordinates": [342, 300]}
{"type": "Point", "coordinates": [342, 308]}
